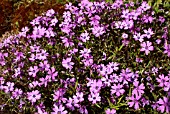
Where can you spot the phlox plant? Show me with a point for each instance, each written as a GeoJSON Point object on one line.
{"type": "Point", "coordinates": [104, 58]}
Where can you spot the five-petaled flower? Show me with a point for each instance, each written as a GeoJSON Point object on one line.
{"type": "Point", "coordinates": [67, 63]}
{"type": "Point", "coordinates": [94, 97]}
{"type": "Point", "coordinates": [164, 105]}
{"type": "Point", "coordinates": [33, 71]}
{"type": "Point", "coordinates": [147, 47]}
{"type": "Point", "coordinates": [59, 110]}
{"type": "Point", "coordinates": [33, 96]}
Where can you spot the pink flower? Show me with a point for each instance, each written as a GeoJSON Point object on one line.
{"type": "Point", "coordinates": [33, 71]}
{"type": "Point", "coordinates": [138, 37]}
{"type": "Point", "coordinates": [33, 96]}
{"type": "Point", "coordinates": [167, 49]}
{"type": "Point", "coordinates": [94, 97]}
{"type": "Point", "coordinates": [164, 105]}
{"type": "Point", "coordinates": [147, 47]}
{"type": "Point", "coordinates": [108, 111]}
{"type": "Point", "coordinates": [67, 63]}
{"type": "Point", "coordinates": [50, 12]}
{"type": "Point", "coordinates": [124, 35]}
{"type": "Point", "coordinates": [9, 87]}
{"type": "Point", "coordinates": [125, 13]}
{"type": "Point", "coordinates": [98, 31]}
{"type": "Point", "coordinates": [78, 97]}
{"type": "Point", "coordinates": [144, 6]}
{"type": "Point", "coordinates": [85, 52]}
{"type": "Point", "coordinates": [17, 93]}
{"type": "Point", "coordinates": [134, 101]}
{"type": "Point", "coordinates": [117, 89]}
{"type": "Point", "coordinates": [84, 36]}
{"type": "Point", "coordinates": [148, 33]}
{"type": "Point", "coordinates": [59, 110]}
{"type": "Point", "coordinates": [44, 81]}
{"type": "Point", "coordinates": [53, 73]}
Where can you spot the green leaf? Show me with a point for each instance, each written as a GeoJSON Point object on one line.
{"type": "Point", "coordinates": [97, 105]}
{"type": "Point", "coordinates": [120, 99]}
{"type": "Point", "coordinates": [154, 96]}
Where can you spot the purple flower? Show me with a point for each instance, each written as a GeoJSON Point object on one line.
{"type": "Point", "coordinates": [67, 63]}
{"type": "Point", "coordinates": [78, 97]}
{"type": "Point", "coordinates": [17, 93]}
{"type": "Point", "coordinates": [144, 102]}
{"type": "Point", "coordinates": [106, 81]}
{"type": "Point", "coordinates": [147, 47]}
{"type": "Point", "coordinates": [44, 81]}
{"type": "Point", "coordinates": [124, 35]}
{"type": "Point", "coordinates": [158, 41]}
{"type": "Point", "coordinates": [24, 31]}
{"type": "Point", "coordinates": [148, 33]}
{"type": "Point", "coordinates": [88, 61]}
{"type": "Point", "coordinates": [67, 42]}
{"type": "Point", "coordinates": [96, 86]}
{"type": "Point", "coordinates": [162, 80]}
{"type": "Point", "coordinates": [33, 71]}
{"type": "Point", "coordinates": [134, 15]}
{"type": "Point", "coordinates": [134, 101]}
{"type": "Point", "coordinates": [83, 110]}
{"type": "Point", "coordinates": [32, 58]}
{"type": "Point", "coordinates": [125, 42]}
{"type": "Point", "coordinates": [68, 6]}
{"type": "Point", "coordinates": [144, 6]}
{"type": "Point", "coordinates": [59, 110]}
{"type": "Point", "coordinates": [161, 19]}
{"type": "Point", "coordinates": [104, 56]}
{"type": "Point", "coordinates": [95, 20]}
{"type": "Point", "coordinates": [138, 37]}
{"type": "Point", "coordinates": [114, 78]}
{"type": "Point", "coordinates": [50, 12]}
{"type": "Point", "coordinates": [125, 13]}
{"type": "Point", "coordinates": [138, 88]}
{"type": "Point", "coordinates": [119, 24]}
{"type": "Point", "coordinates": [17, 72]}
{"type": "Point", "coordinates": [84, 36]}
{"type": "Point", "coordinates": [104, 70]}
{"type": "Point", "coordinates": [139, 60]}
{"type": "Point", "coordinates": [113, 65]}
{"type": "Point", "coordinates": [35, 21]}
{"type": "Point", "coordinates": [9, 87]}
{"type": "Point", "coordinates": [33, 96]}
{"type": "Point", "coordinates": [44, 65]}
{"type": "Point", "coordinates": [41, 111]}
{"type": "Point", "coordinates": [98, 31]}
{"type": "Point", "coordinates": [154, 70]}
{"type": "Point", "coordinates": [53, 73]}
{"type": "Point", "coordinates": [167, 49]}
{"type": "Point", "coordinates": [34, 84]}
{"type": "Point", "coordinates": [42, 55]}
{"type": "Point", "coordinates": [108, 111]}
{"type": "Point", "coordinates": [85, 52]}
{"type": "Point", "coordinates": [126, 75]}
{"type": "Point", "coordinates": [66, 14]}
{"type": "Point", "coordinates": [58, 94]}
{"type": "Point", "coordinates": [19, 55]}
{"type": "Point", "coordinates": [70, 104]}
{"type": "Point", "coordinates": [128, 24]}
{"type": "Point", "coordinates": [118, 89]}
{"type": "Point", "coordinates": [54, 21]}
{"type": "Point", "coordinates": [94, 97]}
{"type": "Point", "coordinates": [164, 105]}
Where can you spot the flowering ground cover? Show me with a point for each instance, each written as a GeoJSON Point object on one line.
{"type": "Point", "coordinates": [97, 58]}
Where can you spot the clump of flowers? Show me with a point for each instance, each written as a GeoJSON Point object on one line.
{"type": "Point", "coordinates": [98, 57]}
